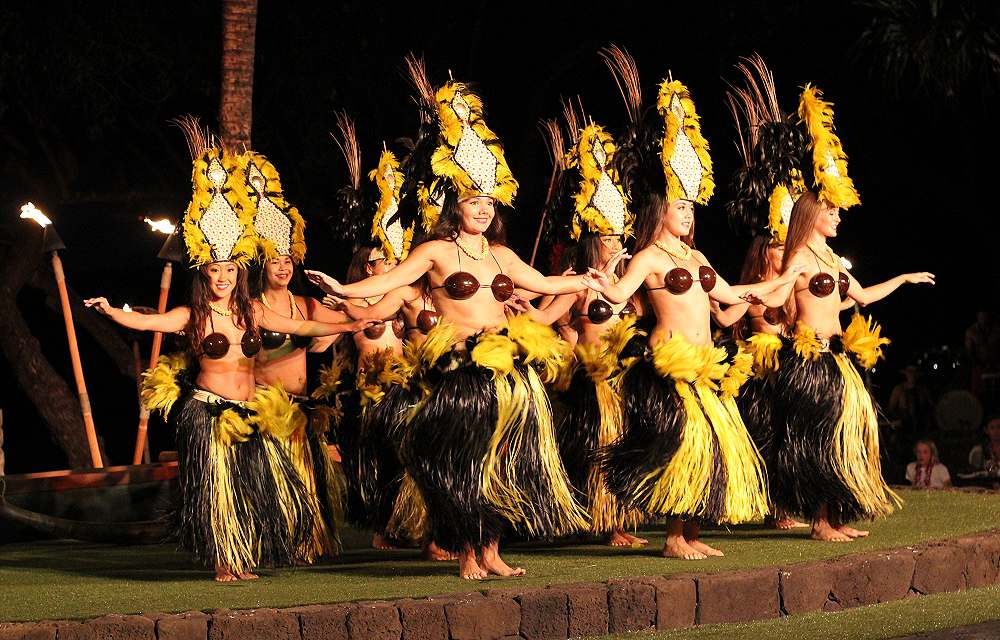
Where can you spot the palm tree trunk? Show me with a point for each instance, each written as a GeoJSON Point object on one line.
{"type": "Point", "coordinates": [239, 30]}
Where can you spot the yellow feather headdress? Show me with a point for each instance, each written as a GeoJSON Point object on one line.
{"type": "Point", "coordinates": [387, 225]}
{"type": "Point", "coordinates": [829, 159]}
{"type": "Point", "coordinates": [470, 156]}
{"type": "Point", "coordinates": [218, 222]}
{"type": "Point", "coordinates": [686, 163]}
{"type": "Point", "coordinates": [600, 202]}
{"type": "Point", "coordinates": [279, 225]}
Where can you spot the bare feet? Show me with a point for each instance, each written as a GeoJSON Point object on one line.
{"type": "Point", "coordinates": [789, 523]}
{"type": "Point", "coordinates": [634, 540]}
{"type": "Point", "coordinates": [468, 568]}
{"type": "Point", "coordinates": [821, 530]}
{"type": "Point", "coordinates": [677, 547]}
{"type": "Point", "coordinates": [619, 538]}
{"type": "Point", "coordinates": [852, 532]}
{"type": "Point", "coordinates": [698, 545]}
{"type": "Point", "coordinates": [223, 574]}
{"type": "Point", "coordinates": [382, 543]}
{"type": "Point", "coordinates": [434, 552]}
{"type": "Point", "coordinates": [247, 576]}
{"type": "Point", "coordinates": [495, 565]}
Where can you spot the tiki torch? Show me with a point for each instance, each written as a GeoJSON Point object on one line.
{"type": "Point", "coordinates": [52, 243]}
{"type": "Point", "coordinates": [170, 253]}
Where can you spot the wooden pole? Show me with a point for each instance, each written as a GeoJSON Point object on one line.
{"type": "Point", "coordinates": [141, 438]}
{"type": "Point", "coordinates": [74, 354]}
{"type": "Point", "coordinates": [1, 443]}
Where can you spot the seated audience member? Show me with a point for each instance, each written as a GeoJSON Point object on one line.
{"type": "Point", "coordinates": [927, 472]}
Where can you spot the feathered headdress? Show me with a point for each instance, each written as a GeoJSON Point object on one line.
{"type": "Point", "coordinates": [600, 203]}
{"type": "Point", "coordinates": [387, 225]}
{"type": "Point", "coordinates": [218, 222]}
{"type": "Point", "coordinates": [279, 225]}
{"type": "Point", "coordinates": [772, 148]}
{"type": "Point", "coordinates": [351, 223]}
{"type": "Point", "coordinates": [686, 163]}
{"type": "Point", "coordinates": [427, 189]}
{"type": "Point", "coordinates": [469, 156]}
{"type": "Point", "coordinates": [828, 157]}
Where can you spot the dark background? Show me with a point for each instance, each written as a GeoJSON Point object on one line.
{"type": "Point", "coordinates": [86, 90]}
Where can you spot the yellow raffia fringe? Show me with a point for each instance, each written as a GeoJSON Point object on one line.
{"type": "Point", "coordinates": [202, 191]}
{"type": "Point", "coordinates": [856, 446]}
{"type": "Point", "coordinates": [863, 338]}
{"type": "Point", "coordinates": [581, 156]}
{"type": "Point", "coordinates": [419, 358]}
{"type": "Point", "coordinates": [692, 129]}
{"type": "Point", "coordinates": [829, 159]}
{"type": "Point", "coordinates": [807, 345]}
{"type": "Point", "coordinates": [388, 194]}
{"type": "Point", "coordinates": [274, 451]}
{"type": "Point", "coordinates": [409, 513]}
{"type": "Point", "coordinates": [682, 487]}
{"type": "Point", "coordinates": [763, 348]}
{"type": "Point", "coordinates": [606, 513]}
{"type": "Point", "coordinates": [746, 484]}
{"type": "Point", "coordinates": [230, 427]}
{"type": "Point", "coordinates": [160, 389]}
{"type": "Point", "coordinates": [593, 359]}
{"type": "Point", "coordinates": [516, 394]}
{"type": "Point", "coordinates": [495, 352]}
{"type": "Point", "coordinates": [274, 193]}
{"type": "Point", "coordinates": [678, 359]}
{"type": "Point", "coordinates": [275, 413]}
{"type": "Point", "coordinates": [234, 535]}
{"type": "Point", "coordinates": [443, 161]}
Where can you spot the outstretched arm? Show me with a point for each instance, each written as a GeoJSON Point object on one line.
{"type": "Point", "coordinates": [381, 310]}
{"type": "Point", "coordinates": [638, 270]}
{"type": "Point", "coordinates": [419, 262]}
{"type": "Point", "coordinates": [170, 322]}
{"type": "Point", "coordinates": [271, 321]}
{"type": "Point", "coordinates": [531, 279]}
{"type": "Point", "coordinates": [867, 295]}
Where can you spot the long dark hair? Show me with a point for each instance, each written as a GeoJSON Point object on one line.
{"type": "Point", "coordinates": [201, 297]}
{"type": "Point", "coordinates": [649, 209]}
{"type": "Point", "coordinates": [800, 227]}
{"type": "Point", "coordinates": [754, 268]}
{"type": "Point", "coordinates": [449, 223]}
{"type": "Point", "coordinates": [356, 270]}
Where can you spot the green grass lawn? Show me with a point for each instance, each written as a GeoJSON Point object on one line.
{"type": "Point", "coordinates": [64, 579]}
{"type": "Point", "coordinates": [877, 622]}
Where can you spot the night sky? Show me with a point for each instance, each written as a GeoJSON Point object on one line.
{"type": "Point", "coordinates": [86, 90]}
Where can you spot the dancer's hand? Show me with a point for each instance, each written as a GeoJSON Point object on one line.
{"type": "Point", "coordinates": [921, 277]}
{"type": "Point", "coordinates": [612, 264]}
{"type": "Point", "coordinates": [596, 280]}
{"type": "Point", "coordinates": [518, 304]}
{"type": "Point", "coordinates": [333, 302]}
{"type": "Point", "coordinates": [361, 325]}
{"type": "Point", "coordinates": [101, 305]}
{"type": "Point", "coordinates": [751, 297]}
{"type": "Point", "coordinates": [326, 283]}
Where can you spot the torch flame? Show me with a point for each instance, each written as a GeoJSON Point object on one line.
{"type": "Point", "coordinates": [31, 212]}
{"type": "Point", "coordinates": [847, 263]}
{"type": "Point", "coordinates": [163, 225]}
{"type": "Point", "coordinates": [126, 308]}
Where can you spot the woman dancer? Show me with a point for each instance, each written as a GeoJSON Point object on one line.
{"type": "Point", "coordinates": [685, 452]}
{"type": "Point", "coordinates": [242, 501]}
{"type": "Point", "coordinates": [479, 443]}
{"type": "Point", "coordinates": [282, 361]}
{"type": "Point", "coordinates": [827, 464]}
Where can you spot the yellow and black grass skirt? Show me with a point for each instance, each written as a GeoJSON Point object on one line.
{"type": "Point", "coordinates": [826, 434]}
{"type": "Point", "coordinates": [480, 444]}
{"type": "Point", "coordinates": [300, 425]}
{"type": "Point", "coordinates": [755, 398]}
{"type": "Point", "coordinates": [685, 451]}
{"type": "Point", "coordinates": [242, 502]}
{"type": "Point", "coordinates": [592, 420]}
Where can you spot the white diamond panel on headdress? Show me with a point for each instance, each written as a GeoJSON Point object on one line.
{"type": "Point", "coordinates": [830, 166]}
{"type": "Point", "coordinates": [607, 198]}
{"type": "Point", "coordinates": [391, 222]}
{"type": "Point", "coordinates": [220, 224]}
{"type": "Point", "coordinates": [685, 162]}
{"type": "Point", "coordinates": [786, 206]}
{"type": "Point", "coordinates": [471, 154]}
{"type": "Point", "coordinates": [270, 222]}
